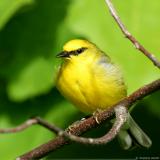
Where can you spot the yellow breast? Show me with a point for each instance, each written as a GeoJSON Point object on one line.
{"type": "Point", "coordinates": [92, 84]}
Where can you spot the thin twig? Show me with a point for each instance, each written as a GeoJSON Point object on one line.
{"type": "Point", "coordinates": [89, 123]}
{"type": "Point", "coordinates": [128, 35]}
{"type": "Point", "coordinates": [30, 122]}
{"type": "Point", "coordinates": [19, 128]}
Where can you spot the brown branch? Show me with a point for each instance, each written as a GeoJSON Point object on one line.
{"type": "Point", "coordinates": [121, 117]}
{"type": "Point", "coordinates": [128, 35]}
{"type": "Point", "coordinates": [89, 123]}
{"type": "Point", "coordinates": [30, 122]}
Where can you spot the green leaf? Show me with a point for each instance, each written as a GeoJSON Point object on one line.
{"type": "Point", "coordinates": [34, 79]}
{"type": "Point", "coordinates": [8, 9]}
{"type": "Point", "coordinates": [28, 47]}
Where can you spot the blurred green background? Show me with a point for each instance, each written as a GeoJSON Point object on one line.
{"type": "Point", "coordinates": [32, 32]}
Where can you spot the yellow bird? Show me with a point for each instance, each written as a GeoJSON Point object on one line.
{"type": "Point", "coordinates": [91, 81]}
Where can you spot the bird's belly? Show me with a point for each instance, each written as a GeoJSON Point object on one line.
{"type": "Point", "coordinates": [77, 88]}
{"type": "Point", "coordinates": [89, 93]}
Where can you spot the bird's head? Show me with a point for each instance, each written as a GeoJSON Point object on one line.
{"type": "Point", "coordinates": [74, 49]}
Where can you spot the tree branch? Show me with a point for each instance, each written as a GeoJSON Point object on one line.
{"type": "Point", "coordinates": [128, 35]}
{"type": "Point", "coordinates": [89, 123]}
{"type": "Point", "coordinates": [121, 117]}
{"type": "Point", "coordinates": [30, 122]}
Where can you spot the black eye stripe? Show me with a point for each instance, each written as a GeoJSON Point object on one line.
{"type": "Point", "coordinates": [69, 53]}
{"type": "Point", "coordinates": [78, 51]}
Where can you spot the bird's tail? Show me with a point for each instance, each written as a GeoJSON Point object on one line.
{"type": "Point", "coordinates": [131, 135]}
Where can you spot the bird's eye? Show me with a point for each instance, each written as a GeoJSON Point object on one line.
{"type": "Point", "coordinates": [80, 50]}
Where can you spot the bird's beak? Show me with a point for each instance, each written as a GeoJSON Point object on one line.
{"type": "Point", "coordinates": [62, 54]}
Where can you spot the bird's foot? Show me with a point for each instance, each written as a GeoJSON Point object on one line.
{"type": "Point", "coordinates": [95, 115]}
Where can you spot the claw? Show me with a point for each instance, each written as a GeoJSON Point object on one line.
{"type": "Point", "coordinates": [95, 115]}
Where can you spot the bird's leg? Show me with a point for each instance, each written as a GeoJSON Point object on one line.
{"type": "Point", "coordinates": [96, 113]}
